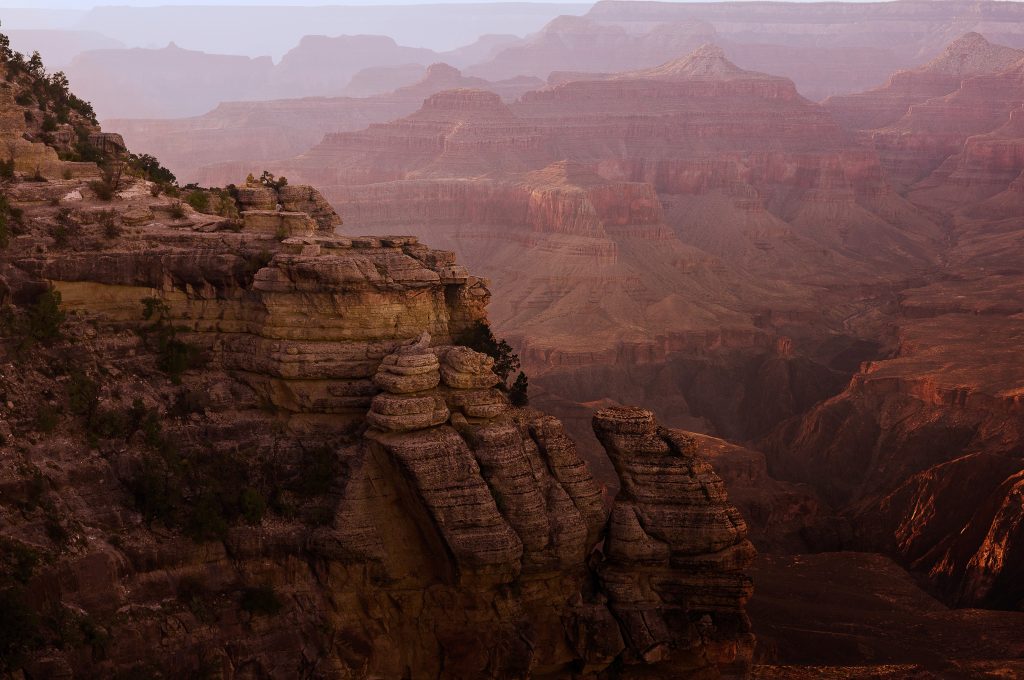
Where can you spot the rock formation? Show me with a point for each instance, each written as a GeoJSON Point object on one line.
{"type": "Point", "coordinates": [967, 56]}
{"type": "Point", "coordinates": [243, 443]}
{"type": "Point", "coordinates": [825, 49]}
{"type": "Point", "coordinates": [671, 513]}
{"type": "Point", "coordinates": [932, 130]}
{"type": "Point", "coordinates": [142, 83]}
{"type": "Point", "coordinates": [671, 229]}
{"type": "Point", "coordinates": [241, 134]}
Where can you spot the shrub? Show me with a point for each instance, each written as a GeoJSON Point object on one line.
{"type": "Point", "coordinates": [108, 221]}
{"type": "Point", "coordinates": [148, 167]}
{"type": "Point", "coordinates": [206, 521]}
{"type": "Point", "coordinates": [228, 206]}
{"type": "Point", "coordinates": [7, 169]}
{"type": "Point", "coordinates": [187, 402]}
{"type": "Point", "coordinates": [196, 596]}
{"type": "Point", "coordinates": [83, 394]}
{"type": "Point", "coordinates": [261, 600]}
{"type": "Point", "coordinates": [318, 470]}
{"type": "Point", "coordinates": [199, 200]}
{"type": "Point", "coordinates": [109, 424]}
{"type": "Point", "coordinates": [268, 180]}
{"type": "Point", "coordinates": [518, 394]}
{"type": "Point", "coordinates": [174, 356]}
{"type": "Point", "coordinates": [177, 210]}
{"type": "Point", "coordinates": [46, 317]}
{"type": "Point", "coordinates": [60, 234]}
{"type": "Point", "coordinates": [255, 262]}
{"type": "Point", "coordinates": [479, 337]}
{"type": "Point", "coordinates": [103, 189]}
{"type": "Point", "coordinates": [47, 418]}
{"type": "Point", "coordinates": [252, 505]}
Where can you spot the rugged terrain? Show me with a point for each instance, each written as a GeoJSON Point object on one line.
{"type": "Point", "coordinates": [827, 296]}
{"type": "Point", "coordinates": [703, 226]}
{"type": "Point", "coordinates": [253, 133]}
{"type": "Point", "coordinates": [746, 267]}
{"type": "Point", "coordinates": [237, 442]}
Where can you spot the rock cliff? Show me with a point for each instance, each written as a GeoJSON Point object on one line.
{"type": "Point", "coordinates": [967, 56]}
{"type": "Point", "coordinates": [212, 148]}
{"type": "Point", "coordinates": [237, 442]}
{"type": "Point", "coordinates": [668, 229]}
{"type": "Point", "coordinates": [825, 49]}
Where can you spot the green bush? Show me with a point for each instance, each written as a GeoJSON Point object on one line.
{"type": "Point", "coordinates": [174, 356]}
{"type": "Point", "coordinates": [45, 318]}
{"type": "Point", "coordinates": [110, 424]}
{"type": "Point", "coordinates": [252, 505]}
{"type": "Point", "coordinates": [108, 222]}
{"type": "Point", "coordinates": [518, 394]}
{"type": "Point", "coordinates": [47, 418]}
{"type": "Point", "coordinates": [177, 210]}
{"type": "Point", "coordinates": [268, 180]}
{"type": "Point", "coordinates": [60, 234]}
{"type": "Point", "coordinates": [261, 601]}
{"type": "Point", "coordinates": [83, 394]}
{"type": "Point", "coordinates": [318, 470]}
{"type": "Point", "coordinates": [199, 200]}
{"type": "Point", "coordinates": [103, 189]}
{"type": "Point", "coordinates": [148, 167]}
{"type": "Point", "coordinates": [479, 337]}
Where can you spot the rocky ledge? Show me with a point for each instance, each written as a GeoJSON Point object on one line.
{"type": "Point", "coordinates": [256, 447]}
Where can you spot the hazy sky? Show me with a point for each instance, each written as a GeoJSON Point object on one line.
{"type": "Point", "coordinates": [87, 4]}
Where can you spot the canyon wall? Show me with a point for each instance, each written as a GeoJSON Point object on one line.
{"type": "Point", "coordinates": [237, 442]}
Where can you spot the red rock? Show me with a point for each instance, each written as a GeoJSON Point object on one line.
{"type": "Point", "coordinates": [254, 133]}
{"type": "Point", "coordinates": [967, 56]}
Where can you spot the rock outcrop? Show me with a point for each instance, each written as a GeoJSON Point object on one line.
{"type": "Point", "coordinates": [251, 446]}
{"type": "Point", "coordinates": [665, 230]}
{"type": "Point", "coordinates": [966, 56]}
{"type": "Point", "coordinates": [826, 49]}
{"type": "Point", "coordinates": [214, 147]}
{"type": "Point", "coordinates": [670, 517]}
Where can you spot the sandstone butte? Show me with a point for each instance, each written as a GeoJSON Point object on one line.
{"type": "Point", "coordinates": [251, 132]}
{"type": "Point", "coordinates": [746, 267]}
{"type": "Point", "coordinates": [710, 220]}
{"type": "Point", "coordinates": [825, 49]}
{"type": "Point", "coordinates": [928, 355]}
{"type": "Point", "coordinates": [254, 448]}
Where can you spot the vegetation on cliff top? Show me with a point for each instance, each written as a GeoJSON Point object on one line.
{"type": "Point", "coordinates": [481, 338]}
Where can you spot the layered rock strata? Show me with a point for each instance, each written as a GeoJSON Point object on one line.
{"type": "Point", "coordinates": [338, 489]}
{"type": "Point", "coordinates": [671, 514]}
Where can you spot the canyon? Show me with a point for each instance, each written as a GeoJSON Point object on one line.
{"type": "Point", "coordinates": [745, 267]}
{"type": "Point", "coordinates": [241, 443]}
{"type": "Point", "coordinates": [247, 132]}
{"type": "Point", "coordinates": [131, 87]}
{"type": "Point", "coordinates": [774, 418]}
